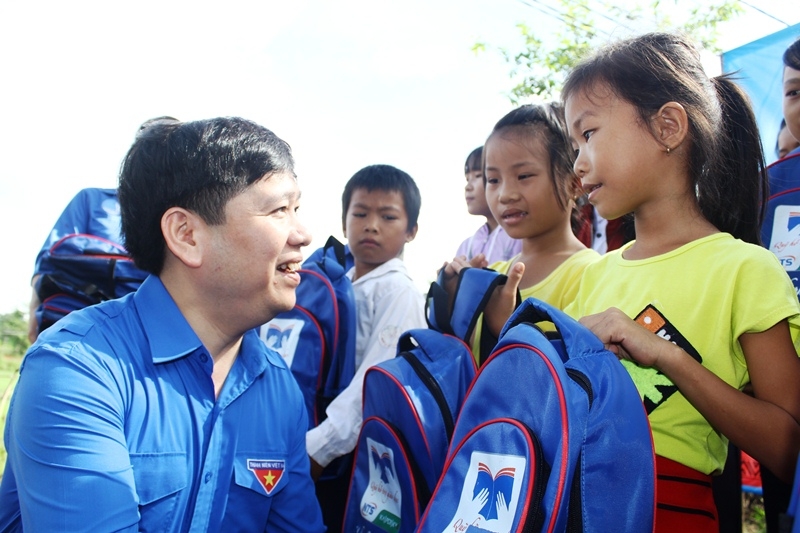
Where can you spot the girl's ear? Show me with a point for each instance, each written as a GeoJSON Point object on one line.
{"type": "Point", "coordinates": [182, 232]}
{"type": "Point", "coordinates": [575, 189]}
{"type": "Point", "coordinates": [671, 125]}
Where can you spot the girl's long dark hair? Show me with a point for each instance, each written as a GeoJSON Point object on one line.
{"type": "Point", "coordinates": [726, 160]}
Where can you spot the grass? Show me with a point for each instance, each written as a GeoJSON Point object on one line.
{"type": "Point", "coordinates": [753, 519]}
{"type": "Point", "coordinates": [9, 372]}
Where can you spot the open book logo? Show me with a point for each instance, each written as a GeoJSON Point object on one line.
{"type": "Point", "coordinates": [282, 336]}
{"type": "Point", "coordinates": [497, 487]}
{"type": "Point", "coordinates": [490, 493]}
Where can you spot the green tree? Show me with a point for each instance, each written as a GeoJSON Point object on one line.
{"type": "Point", "coordinates": [13, 333]}
{"type": "Point", "coordinates": [540, 67]}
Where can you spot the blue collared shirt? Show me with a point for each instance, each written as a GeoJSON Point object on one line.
{"type": "Point", "coordinates": [114, 426]}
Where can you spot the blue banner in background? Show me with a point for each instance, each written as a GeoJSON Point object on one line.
{"type": "Point", "coordinates": [759, 68]}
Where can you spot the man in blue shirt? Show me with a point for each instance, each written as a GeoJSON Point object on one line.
{"type": "Point", "coordinates": [162, 410]}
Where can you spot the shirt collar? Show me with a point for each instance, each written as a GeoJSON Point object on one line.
{"type": "Point", "coordinates": [168, 333]}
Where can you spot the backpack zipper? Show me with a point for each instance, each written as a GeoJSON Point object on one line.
{"type": "Point", "coordinates": [433, 386]}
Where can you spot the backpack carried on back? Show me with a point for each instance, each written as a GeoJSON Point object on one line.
{"type": "Point", "coordinates": [410, 406]}
{"type": "Point", "coordinates": [780, 231]}
{"type": "Point", "coordinates": [317, 338]}
{"type": "Point", "coordinates": [82, 270]}
{"type": "Point", "coordinates": [552, 436]}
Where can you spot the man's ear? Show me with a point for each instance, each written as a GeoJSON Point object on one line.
{"type": "Point", "coordinates": [411, 234]}
{"type": "Point", "coordinates": [671, 125]}
{"type": "Point", "coordinates": [183, 230]}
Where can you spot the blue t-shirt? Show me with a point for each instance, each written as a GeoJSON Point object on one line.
{"type": "Point", "coordinates": [114, 426]}
{"type": "Point", "coordinates": [93, 212]}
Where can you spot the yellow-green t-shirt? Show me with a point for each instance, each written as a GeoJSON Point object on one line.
{"type": "Point", "coordinates": [703, 296]}
{"type": "Point", "coordinates": [558, 288]}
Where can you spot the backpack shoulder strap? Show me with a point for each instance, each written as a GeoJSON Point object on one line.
{"type": "Point", "coordinates": [473, 290]}
{"type": "Point", "coordinates": [577, 338]}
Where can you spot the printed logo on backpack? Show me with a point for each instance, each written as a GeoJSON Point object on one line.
{"type": "Point", "coordinates": [498, 490]}
{"type": "Point", "coordinates": [385, 491]}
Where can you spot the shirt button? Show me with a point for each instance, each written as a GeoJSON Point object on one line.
{"type": "Point", "coordinates": [203, 357]}
{"type": "Point", "coordinates": [208, 477]}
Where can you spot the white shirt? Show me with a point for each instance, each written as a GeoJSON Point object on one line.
{"type": "Point", "coordinates": [388, 304]}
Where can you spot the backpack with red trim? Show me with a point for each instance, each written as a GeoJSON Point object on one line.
{"type": "Point", "coordinates": [82, 270]}
{"type": "Point", "coordinates": [410, 406]}
{"type": "Point", "coordinates": [317, 338]}
{"type": "Point", "coordinates": [780, 231]}
{"type": "Point", "coordinates": [552, 436]}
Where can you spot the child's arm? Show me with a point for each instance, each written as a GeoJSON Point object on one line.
{"type": "Point", "coordinates": [765, 426]}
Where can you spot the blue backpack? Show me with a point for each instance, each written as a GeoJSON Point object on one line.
{"type": "Point", "coordinates": [789, 521]}
{"type": "Point", "coordinates": [474, 288]}
{"type": "Point", "coordinates": [780, 231]}
{"type": "Point", "coordinates": [410, 406]}
{"type": "Point", "coordinates": [552, 436]}
{"type": "Point", "coordinates": [82, 270]}
{"type": "Point", "coordinates": [317, 338]}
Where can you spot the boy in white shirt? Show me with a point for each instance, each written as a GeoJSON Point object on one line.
{"type": "Point", "coordinates": [380, 207]}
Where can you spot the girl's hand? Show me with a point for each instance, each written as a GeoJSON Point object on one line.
{"type": "Point", "coordinates": [504, 300]}
{"type": "Point", "coordinates": [627, 339]}
{"type": "Point", "coordinates": [450, 271]}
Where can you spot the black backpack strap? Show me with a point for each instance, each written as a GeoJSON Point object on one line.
{"type": "Point", "coordinates": [333, 246]}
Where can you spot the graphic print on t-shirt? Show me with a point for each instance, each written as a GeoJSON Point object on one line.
{"type": "Point", "coordinates": [654, 387]}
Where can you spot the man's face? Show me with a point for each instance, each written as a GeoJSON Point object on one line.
{"type": "Point", "coordinates": [254, 256]}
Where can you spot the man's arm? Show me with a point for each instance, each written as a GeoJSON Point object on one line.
{"type": "Point", "coordinates": [66, 445]}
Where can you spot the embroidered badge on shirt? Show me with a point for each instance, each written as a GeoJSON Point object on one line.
{"type": "Point", "coordinates": [654, 387]}
{"type": "Point", "coordinates": [268, 472]}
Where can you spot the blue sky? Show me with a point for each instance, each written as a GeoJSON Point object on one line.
{"type": "Point", "coordinates": [346, 83]}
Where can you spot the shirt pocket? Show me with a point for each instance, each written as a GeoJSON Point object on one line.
{"type": "Point", "coordinates": [161, 480]}
{"type": "Point", "coordinates": [263, 473]}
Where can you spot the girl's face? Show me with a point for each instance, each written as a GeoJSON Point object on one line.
{"type": "Point", "coordinates": [475, 194]}
{"type": "Point", "coordinates": [519, 187]}
{"type": "Point", "coordinates": [791, 100]}
{"type": "Point", "coordinates": [786, 142]}
{"type": "Point", "coordinates": [616, 153]}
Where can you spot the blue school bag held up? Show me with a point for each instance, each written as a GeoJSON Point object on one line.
{"type": "Point", "coordinates": [474, 288]}
{"type": "Point", "coordinates": [410, 406]}
{"type": "Point", "coordinates": [317, 338]}
{"type": "Point", "coordinates": [780, 231]}
{"type": "Point", "coordinates": [552, 436]}
{"type": "Point", "coordinates": [80, 270]}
